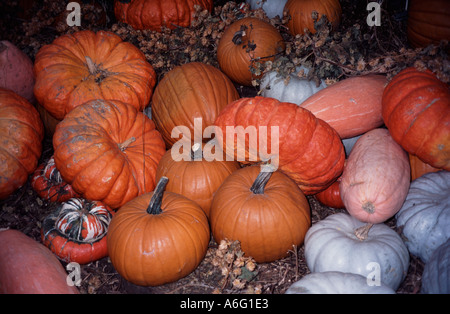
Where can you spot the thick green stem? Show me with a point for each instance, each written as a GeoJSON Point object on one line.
{"type": "Point", "coordinates": [154, 207]}
{"type": "Point", "coordinates": [260, 182]}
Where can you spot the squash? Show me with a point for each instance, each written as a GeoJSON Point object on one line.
{"type": "Point", "coordinates": [76, 230]}
{"type": "Point", "coordinates": [424, 218]}
{"type": "Point", "coordinates": [297, 90]}
{"type": "Point", "coordinates": [416, 110]}
{"type": "Point", "coordinates": [376, 178]}
{"type": "Point", "coordinates": [265, 211]}
{"type": "Point", "coordinates": [331, 196]}
{"type": "Point", "coordinates": [108, 151]}
{"type": "Point", "coordinates": [351, 106]}
{"type": "Point", "coordinates": [16, 71]}
{"type": "Point", "coordinates": [300, 14]}
{"type": "Point", "coordinates": [335, 282]}
{"type": "Point", "coordinates": [158, 14]}
{"type": "Point", "coordinates": [191, 91]}
{"type": "Point", "coordinates": [436, 274]}
{"type": "Point", "coordinates": [85, 65]}
{"type": "Point", "coordinates": [428, 22]}
{"type": "Point", "coordinates": [158, 237]}
{"type": "Point", "coordinates": [418, 167]}
{"type": "Point", "coordinates": [28, 267]}
{"type": "Point", "coordinates": [332, 245]}
{"type": "Point", "coordinates": [195, 177]}
{"type": "Point", "coordinates": [304, 147]}
{"type": "Point", "coordinates": [48, 184]}
{"type": "Point", "coordinates": [244, 43]}
{"type": "Point", "coordinates": [21, 135]}
{"type": "Point", "coordinates": [272, 8]}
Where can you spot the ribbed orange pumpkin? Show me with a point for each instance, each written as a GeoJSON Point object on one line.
{"type": "Point", "coordinates": [83, 66]}
{"type": "Point", "coordinates": [158, 237]}
{"type": "Point", "coordinates": [265, 211]}
{"type": "Point", "coordinates": [309, 151]}
{"type": "Point", "coordinates": [416, 110]}
{"type": "Point", "coordinates": [419, 168]}
{"type": "Point", "coordinates": [195, 177]}
{"type": "Point", "coordinates": [190, 91]}
{"type": "Point", "coordinates": [108, 151]}
{"type": "Point", "coordinates": [155, 14]}
{"type": "Point", "coordinates": [245, 42]}
{"type": "Point", "coordinates": [21, 135]}
{"type": "Point", "coordinates": [428, 22]}
{"type": "Point", "coordinates": [300, 12]}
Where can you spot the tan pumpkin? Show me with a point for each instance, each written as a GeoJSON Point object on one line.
{"type": "Point", "coordinates": [352, 106]}
{"type": "Point", "coordinates": [376, 178]}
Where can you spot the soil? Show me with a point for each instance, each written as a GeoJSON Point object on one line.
{"type": "Point", "coordinates": [25, 211]}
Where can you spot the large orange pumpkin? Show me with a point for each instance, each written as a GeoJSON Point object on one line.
{"type": "Point", "coordinates": [190, 91]}
{"type": "Point", "coordinates": [21, 135]}
{"type": "Point", "coordinates": [195, 177]}
{"type": "Point", "coordinates": [300, 13]}
{"type": "Point", "coordinates": [83, 66]}
{"type": "Point", "coordinates": [108, 151]}
{"type": "Point", "coordinates": [351, 106]}
{"type": "Point", "coordinates": [309, 150]}
{"type": "Point", "coordinates": [156, 14]}
{"type": "Point", "coordinates": [245, 42]}
{"type": "Point", "coordinates": [428, 22]}
{"type": "Point", "coordinates": [158, 237]}
{"type": "Point", "coordinates": [416, 110]}
{"type": "Point", "coordinates": [265, 211]}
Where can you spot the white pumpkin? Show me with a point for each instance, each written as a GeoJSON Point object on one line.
{"type": "Point", "coordinates": [335, 282]}
{"type": "Point", "coordinates": [424, 218]}
{"type": "Point", "coordinates": [271, 7]}
{"type": "Point", "coordinates": [296, 91]}
{"type": "Point", "coordinates": [436, 274]}
{"type": "Point", "coordinates": [331, 245]}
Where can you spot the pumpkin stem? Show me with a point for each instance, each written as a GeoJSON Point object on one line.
{"type": "Point", "coordinates": [154, 207]}
{"type": "Point", "coordinates": [124, 145]}
{"type": "Point", "coordinates": [261, 181]}
{"type": "Point", "coordinates": [91, 65]}
{"type": "Point", "coordinates": [362, 232]}
{"type": "Point", "coordinates": [237, 37]}
{"type": "Point", "coordinates": [196, 152]}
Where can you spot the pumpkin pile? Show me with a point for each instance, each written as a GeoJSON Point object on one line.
{"type": "Point", "coordinates": [153, 169]}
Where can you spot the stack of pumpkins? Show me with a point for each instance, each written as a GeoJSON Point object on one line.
{"type": "Point", "coordinates": [142, 191]}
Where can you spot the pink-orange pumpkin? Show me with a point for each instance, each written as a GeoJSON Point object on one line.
{"type": "Point", "coordinates": [376, 177]}
{"type": "Point", "coordinates": [351, 106]}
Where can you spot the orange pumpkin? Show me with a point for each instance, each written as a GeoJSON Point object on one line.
{"type": "Point", "coordinates": [156, 14]}
{"type": "Point", "coordinates": [195, 177]}
{"type": "Point", "coordinates": [21, 135]}
{"type": "Point", "coordinates": [428, 22]}
{"type": "Point", "coordinates": [419, 168]}
{"type": "Point", "coordinates": [108, 151]}
{"type": "Point", "coordinates": [376, 178]}
{"type": "Point", "coordinates": [265, 211]}
{"type": "Point", "coordinates": [304, 147]}
{"type": "Point", "coordinates": [300, 13]}
{"type": "Point", "coordinates": [245, 42]}
{"type": "Point", "coordinates": [190, 91]}
{"type": "Point", "coordinates": [83, 66]}
{"type": "Point", "coordinates": [158, 237]}
{"type": "Point", "coordinates": [416, 110]}
{"type": "Point", "coordinates": [351, 106]}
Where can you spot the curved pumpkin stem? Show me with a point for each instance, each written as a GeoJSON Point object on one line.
{"type": "Point", "coordinates": [124, 145]}
{"type": "Point", "coordinates": [196, 152]}
{"type": "Point", "coordinates": [154, 207]}
{"type": "Point", "coordinates": [91, 65]}
{"type": "Point", "coordinates": [362, 232]}
{"type": "Point", "coordinates": [260, 182]}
